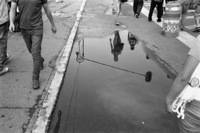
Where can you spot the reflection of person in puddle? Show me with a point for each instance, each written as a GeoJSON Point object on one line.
{"type": "Point", "coordinates": [132, 40]}
{"type": "Point", "coordinates": [117, 46]}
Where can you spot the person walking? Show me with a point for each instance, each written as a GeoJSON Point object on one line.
{"type": "Point", "coordinates": [118, 5]}
{"type": "Point", "coordinates": [132, 40]}
{"type": "Point", "coordinates": [159, 5]}
{"type": "Point", "coordinates": [191, 121]}
{"type": "Point", "coordinates": [137, 7]}
{"type": "Point", "coordinates": [197, 16]}
{"type": "Point", "coordinates": [3, 36]}
{"type": "Point", "coordinates": [117, 46]}
{"type": "Point", "coordinates": [31, 24]}
{"type": "Point", "coordinates": [185, 4]}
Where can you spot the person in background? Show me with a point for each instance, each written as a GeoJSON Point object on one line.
{"type": "Point", "coordinates": [132, 40]}
{"type": "Point", "coordinates": [191, 122]}
{"type": "Point", "coordinates": [118, 5]}
{"type": "Point", "coordinates": [117, 46]}
{"type": "Point", "coordinates": [4, 18]}
{"type": "Point", "coordinates": [137, 7]}
{"type": "Point", "coordinates": [159, 5]}
{"type": "Point", "coordinates": [31, 24]}
{"type": "Point", "coordinates": [197, 15]}
{"type": "Point", "coordinates": [185, 6]}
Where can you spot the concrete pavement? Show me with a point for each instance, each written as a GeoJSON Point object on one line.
{"type": "Point", "coordinates": [23, 109]}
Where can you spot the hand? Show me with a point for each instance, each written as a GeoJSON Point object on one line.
{"type": "Point", "coordinates": [12, 28]}
{"type": "Point", "coordinates": [53, 29]}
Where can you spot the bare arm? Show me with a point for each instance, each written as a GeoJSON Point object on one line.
{"type": "Point", "coordinates": [49, 15]}
{"type": "Point", "coordinates": [12, 16]}
{"type": "Point", "coordinates": [181, 80]}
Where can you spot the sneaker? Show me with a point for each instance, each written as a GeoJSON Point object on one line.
{"type": "Point", "coordinates": [4, 70]}
{"type": "Point", "coordinates": [182, 28]}
{"type": "Point", "coordinates": [36, 84]}
{"type": "Point", "coordinates": [158, 20]}
{"type": "Point", "coordinates": [196, 30]}
{"type": "Point", "coordinates": [137, 16]}
{"type": "Point", "coordinates": [117, 23]}
{"type": "Point", "coordinates": [149, 19]}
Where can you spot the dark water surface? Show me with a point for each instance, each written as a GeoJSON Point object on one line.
{"type": "Point", "coordinates": [102, 95]}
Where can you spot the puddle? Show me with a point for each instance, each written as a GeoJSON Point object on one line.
{"type": "Point", "coordinates": [114, 84]}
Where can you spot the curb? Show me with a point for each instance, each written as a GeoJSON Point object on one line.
{"type": "Point", "coordinates": [44, 113]}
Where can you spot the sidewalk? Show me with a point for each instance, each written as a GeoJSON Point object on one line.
{"type": "Point", "coordinates": [18, 101]}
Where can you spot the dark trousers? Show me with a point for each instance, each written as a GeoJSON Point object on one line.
{"type": "Point", "coordinates": [159, 6]}
{"type": "Point", "coordinates": [3, 43]}
{"type": "Point", "coordinates": [137, 6]}
{"type": "Point", "coordinates": [33, 39]}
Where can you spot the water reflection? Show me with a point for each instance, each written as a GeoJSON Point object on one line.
{"type": "Point", "coordinates": [171, 74]}
{"type": "Point", "coordinates": [116, 49]}
{"type": "Point", "coordinates": [80, 58]}
{"type": "Point", "coordinates": [132, 40]}
{"type": "Point", "coordinates": [80, 54]}
{"type": "Point", "coordinates": [117, 46]}
{"type": "Point", "coordinates": [100, 95]}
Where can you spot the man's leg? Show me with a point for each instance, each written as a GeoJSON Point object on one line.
{"type": "Point", "coordinates": [153, 4]}
{"type": "Point", "coordinates": [36, 54]}
{"type": "Point", "coordinates": [3, 47]}
{"type": "Point", "coordinates": [185, 8]}
{"type": "Point", "coordinates": [135, 3]}
{"type": "Point", "coordinates": [159, 11]}
{"type": "Point", "coordinates": [197, 19]}
{"type": "Point", "coordinates": [33, 40]}
{"type": "Point", "coordinates": [118, 11]}
{"type": "Point", "coordinates": [140, 5]}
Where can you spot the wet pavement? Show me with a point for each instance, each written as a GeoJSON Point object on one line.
{"type": "Point", "coordinates": [114, 84]}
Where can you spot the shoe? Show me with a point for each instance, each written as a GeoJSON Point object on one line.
{"type": "Point", "coordinates": [182, 28]}
{"type": "Point", "coordinates": [4, 70]}
{"type": "Point", "coordinates": [149, 19]}
{"type": "Point", "coordinates": [36, 84]}
{"type": "Point", "coordinates": [117, 23]}
{"type": "Point", "coordinates": [42, 64]}
{"type": "Point", "coordinates": [158, 20]}
{"type": "Point", "coordinates": [196, 30]}
{"type": "Point", "coordinates": [137, 16]}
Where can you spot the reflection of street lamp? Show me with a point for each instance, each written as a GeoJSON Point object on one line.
{"type": "Point", "coordinates": [80, 54]}
{"type": "Point", "coordinates": [80, 59]}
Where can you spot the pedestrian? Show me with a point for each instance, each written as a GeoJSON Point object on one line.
{"type": "Point", "coordinates": [118, 4]}
{"type": "Point", "coordinates": [132, 40]}
{"type": "Point", "coordinates": [185, 4]}
{"type": "Point", "coordinates": [4, 18]}
{"type": "Point", "coordinates": [31, 24]}
{"type": "Point", "coordinates": [197, 15]}
{"type": "Point", "coordinates": [137, 7]}
{"type": "Point", "coordinates": [117, 46]}
{"type": "Point", "coordinates": [159, 5]}
{"type": "Point", "coordinates": [191, 121]}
